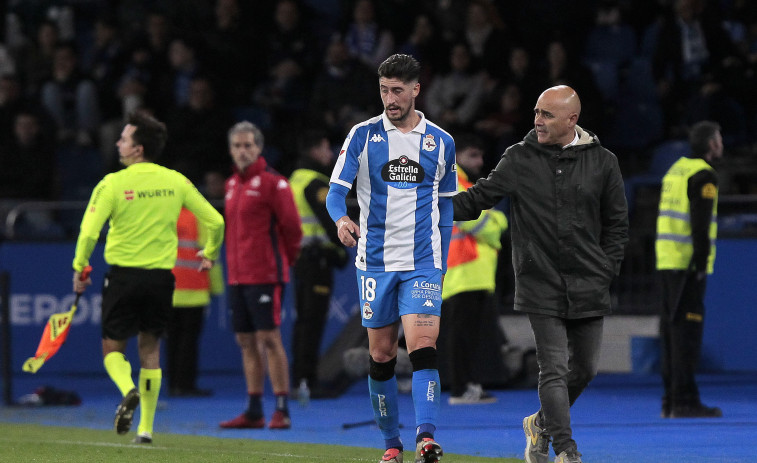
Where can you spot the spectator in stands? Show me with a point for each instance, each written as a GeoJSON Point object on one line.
{"type": "Point", "coordinates": [611, 41]}
{"type": "Point", "coordinates": [446, 14]}
{"type": "Point", "coordinates": [713, 102]}
{"type": "Point", "coordinates": [562, 68]}
{"type": "Point", "coordinates": [138, 84]}
{"type": "Point", "coordinates": [71, 98]}
{"type": "Point", "coordinates": [184, 65]}
{"type": "Point", "coordinates": [487, 37]}
{"type": "Point", "coordinates": [455, 97]}
{"type": "Point", "coordinates": [685, 251]}
{"type": "Point", "coordinates": [11, 102]}
{"type": "Point", "coordinates": [34, 61]}
{"type": "Point", "coordinates": [522, 72]}
{"type": "Point", "coordinates": [505, 119]}
{"type": "Point", "coordinates": [190, 150]}
{"type": "Point", "coordinates": [342, 91]}
{"type": "Point", "coordinates": [158, 32]}
{"type": "Point", "coordinates": [28, 160]}
{"type": "Point", "coordinates": [284, 93]}
{"type": "Point", "coordinates": [424, 45]}
{"type": "Point", "coordinates": [226, 51]}
{"type": "Point", "coordinates": [367, 40]}
{"type": "Point", "coordinates": [104, 62]}
{"type": "Point", "coordinates": [469, 284]}
{"type": "Point", "coordinates": [688, 45]}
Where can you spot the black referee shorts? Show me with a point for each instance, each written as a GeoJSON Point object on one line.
{"type": "Point", "coordinates": [136, 300]}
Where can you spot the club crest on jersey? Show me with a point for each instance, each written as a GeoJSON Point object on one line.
{"type": "Point", "coordinates": [428, 143]}
{"type": "Point", "coordinates": [402, 173]}
{"type": "Point", "coordinates": [367, 311]}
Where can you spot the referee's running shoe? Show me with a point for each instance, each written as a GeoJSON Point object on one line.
{"type": "Point", "coordinates": [125, 411]}
{"type": "Point", "coordinates": [428, 451]}
{"type": "Point", "coordinates": [537, 441]}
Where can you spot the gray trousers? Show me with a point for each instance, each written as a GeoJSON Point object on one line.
{"type": "Point", "coordinates": [568, 354]}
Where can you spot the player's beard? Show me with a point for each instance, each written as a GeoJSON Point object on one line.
{"type": "Point", "coordinates": [403, 114]}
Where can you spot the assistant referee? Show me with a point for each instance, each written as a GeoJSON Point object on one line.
{"type": "Point", "coordinates": [142, 203]}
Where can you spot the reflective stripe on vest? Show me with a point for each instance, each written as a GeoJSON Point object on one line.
{"type": "Point", "coordinates": [312, 230]}
{"type": "Point", "coordinates": [187, 263]}
{"type": "Point", "coordinates": [673, 246]}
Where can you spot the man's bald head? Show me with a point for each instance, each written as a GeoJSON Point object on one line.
{"type": "Point", "coordinates": [556, 114]}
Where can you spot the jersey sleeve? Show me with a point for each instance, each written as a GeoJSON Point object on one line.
{"type": "Point", "coordinates": [209, 217]}
{"type": "Point", "coordinates": [98, 210]}
{"type": "Point", "coordinates": [348, 161]}
{"type": "Point", "coordinates": [448, 183]}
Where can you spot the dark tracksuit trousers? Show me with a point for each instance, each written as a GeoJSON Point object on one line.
{"type": "Point", "coordinates": [681, 328]}
{"type": "Point", "coordinates": [313, 286]}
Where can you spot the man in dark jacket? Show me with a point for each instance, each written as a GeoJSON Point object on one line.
{"type": "Point", "coordinates": [569, 223]}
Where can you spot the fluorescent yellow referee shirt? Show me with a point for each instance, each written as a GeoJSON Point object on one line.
{"type": "Point", "coordinates": [143, 202]}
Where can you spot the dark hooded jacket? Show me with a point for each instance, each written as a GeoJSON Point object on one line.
{"type": "Point", "coordinates": [569, 223]}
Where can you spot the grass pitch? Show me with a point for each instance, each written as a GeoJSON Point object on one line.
{"type": "Point", "coordinates": [35, 443]}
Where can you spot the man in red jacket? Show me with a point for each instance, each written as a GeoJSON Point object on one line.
{"type": "Point", "coordinates": [263, 237]}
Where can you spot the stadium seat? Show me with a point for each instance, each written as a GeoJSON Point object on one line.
{"type": "Point", "coordinates": [610, 44]}
{"type": "Point", "coordinates": [606, 78]}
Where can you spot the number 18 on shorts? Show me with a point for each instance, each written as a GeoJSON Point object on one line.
{"type": "Point", "coordinates": [386, 296]}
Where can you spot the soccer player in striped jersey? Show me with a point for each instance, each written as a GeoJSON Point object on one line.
{"type": "Point", "coordinates": [405, 171]}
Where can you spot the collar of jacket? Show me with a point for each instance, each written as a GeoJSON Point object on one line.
{"type": "Point", "coordinates": [586, 139]}
{"type": "Point", "coordinates": [253, 169]}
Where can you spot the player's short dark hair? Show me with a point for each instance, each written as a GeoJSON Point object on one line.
{"type": "Point", "coordinates": [402, 67]}
{"type": "Point", "coordinates": [700, 135]}
{"type": "Point", "coordinates": [150, 133]}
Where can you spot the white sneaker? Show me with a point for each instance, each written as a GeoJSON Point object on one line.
{"type": "Point", "coordinates": [474, 394]}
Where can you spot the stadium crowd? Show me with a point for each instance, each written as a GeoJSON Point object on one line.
{"type": "Point", "coordinates": [71, 71]}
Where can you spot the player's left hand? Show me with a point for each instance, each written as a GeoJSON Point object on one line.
{"type": "Point", "coordinates": [348, 231]}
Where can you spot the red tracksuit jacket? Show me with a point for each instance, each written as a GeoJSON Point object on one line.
{"type": "Point", "coordinates": [263, 231]}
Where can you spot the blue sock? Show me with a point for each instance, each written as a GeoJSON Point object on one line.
{"type": "Point", "coordinates": [394, 443]}
{"type": "Point", "coordinates": [385, 407]}
{"type": "Point", "coordinates": [426, 398]}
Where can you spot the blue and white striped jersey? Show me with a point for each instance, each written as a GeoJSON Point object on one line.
{"type": "Point", "coordinates": [400, 177]}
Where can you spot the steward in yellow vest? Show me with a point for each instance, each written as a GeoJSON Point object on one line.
{"type": "Point", "coordinates": [685, 254]}
{"type": "Point", "coordinates": [467, 308]}
{"type": "Point", "coordinates": [190, 300]}
{"type": "Point", "coordinates": [321, 252]}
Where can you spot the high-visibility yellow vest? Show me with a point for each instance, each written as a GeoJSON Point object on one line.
{"type": "Point", "coordinates": [674, 247]}
{"type": "Point", "coordinates": [473, 250]}
{"type": "Point", "coordinates": [312, 230]}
